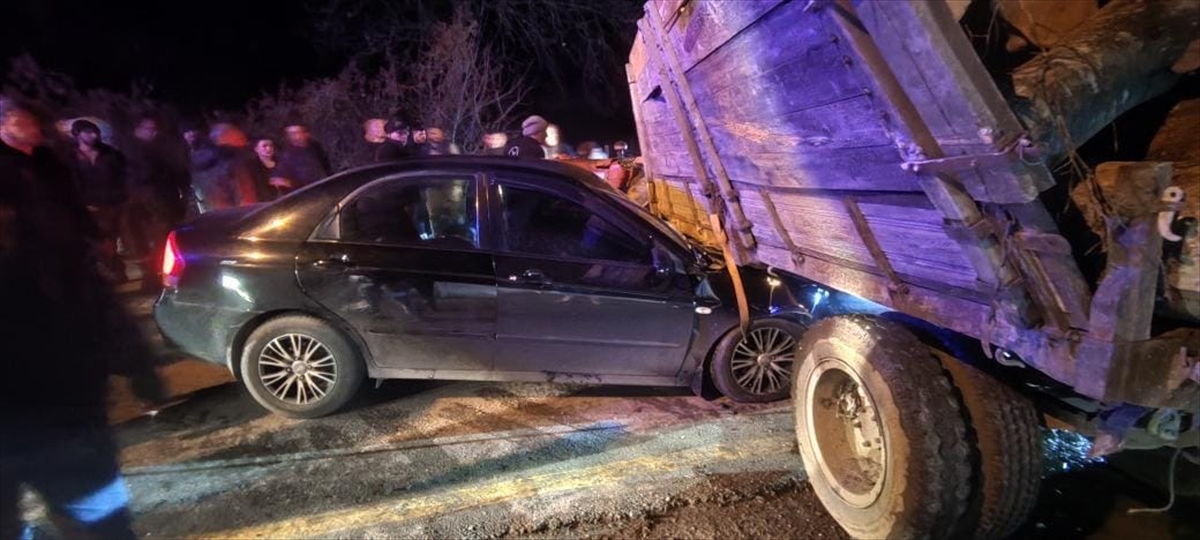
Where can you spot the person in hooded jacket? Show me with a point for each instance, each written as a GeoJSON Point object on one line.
{"type": "Point", "coordinates": [100, 172]}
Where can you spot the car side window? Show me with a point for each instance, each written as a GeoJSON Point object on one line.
{"type": "Point", "coordinates": [543, 224]}
{"type": "Point", "coordinates": [420, 211]}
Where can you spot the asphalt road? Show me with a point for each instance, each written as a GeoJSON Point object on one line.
{"type": "Point", "coordinates": [474, 460]}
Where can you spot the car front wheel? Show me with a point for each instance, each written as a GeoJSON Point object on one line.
{"type": "Point", "coordinates": [300, 367]}
{"type": "Point", "coordinates": [756, 365]}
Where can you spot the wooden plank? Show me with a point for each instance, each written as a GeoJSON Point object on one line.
{"type": "Point", "coordinates": [946, 310]}
{"type": "Point", "coordinates": [911, 238]}
{"type": "Point", "coordinates": [813, 223]}
{"type": "Point", "coordinates": [847, 123]}
{"type": "Point", "coordinates": [668, 10]}
{"type": "Point", "coordinates": [765, 78]}
{"type": "Point", "coordinates": [711, 25]}
{"type": "Point", "coordinates": [866, 169]}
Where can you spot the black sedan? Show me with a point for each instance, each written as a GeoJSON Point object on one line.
{"type": "Point", "coordinates": [470, 269]}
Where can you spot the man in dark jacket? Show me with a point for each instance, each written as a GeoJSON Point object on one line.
{"type": "Point", "coordinates": [397, 145]}
{"type": "Point", "coordinates": [61, 335]}
{"type": "Point", "coordinates": [157, 184]}
{"type": "Point", "coordinates": [302, 161]}
{"type": "Point", "coordinates": [529, 144]}
{"type": "Point", "coordinates": [100, 171]}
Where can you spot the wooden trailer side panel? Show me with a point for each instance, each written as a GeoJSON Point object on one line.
{"type": "Point", "coordinates": [799, 123]}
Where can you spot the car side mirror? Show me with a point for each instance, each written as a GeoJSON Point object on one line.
{"type": "Point", "coordinates": [664, 262]}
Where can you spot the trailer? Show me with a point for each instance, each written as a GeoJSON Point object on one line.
{"type": "Point", "coordinates": [866, 146]}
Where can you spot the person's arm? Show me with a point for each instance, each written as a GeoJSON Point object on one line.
{"type": "Point", "coordinates": [243, 183]}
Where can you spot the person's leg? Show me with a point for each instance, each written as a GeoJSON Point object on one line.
{"type": "Point", "coordinates": [108, 219]}
{"type": "Point", "coordinates": [81, 481]}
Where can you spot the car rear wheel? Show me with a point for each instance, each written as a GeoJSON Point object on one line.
{"type": "Point", "coordinates": [300, 367]}
{"type": "Point", "coordinates": [880, 430]}
{"type": "Point", "coordinates": [756, 365]}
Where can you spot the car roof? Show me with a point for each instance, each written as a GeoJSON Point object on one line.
{"type": "Point", "coordinates": [490, 163]}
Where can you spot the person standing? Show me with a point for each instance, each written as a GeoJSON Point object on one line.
{"type": "Point", "coordinates": [436, 144]}
{"type": "Point", "coordinates": [529, 144]}
{"type": "Point", "coordinates": [494, 143]}
{"type": "Point", "coordinates": [555, 147]}
{"type": "Point", "coordinates": [397, 145]}
{"type": "Point", "coordinates": [303, 160]}
{"type": "Point", "coordinates": [100, 172]}
{"type": "Point", "coordinates": [375, 135]}
{"type": "Point", "coordinates": [157, 186]}
{"type": "Point", "coordinates": [221, 174]}
{"type": "Point", "coordinates": [54, 434]}
{"type": "Point", "coordinates": [263, 168]}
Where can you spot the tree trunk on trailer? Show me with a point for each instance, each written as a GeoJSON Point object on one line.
{"type": "Point", "coordinates": [1119, 58]}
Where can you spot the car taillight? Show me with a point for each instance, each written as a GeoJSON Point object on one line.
{"type": "Point", "coordinates": [172, 263]}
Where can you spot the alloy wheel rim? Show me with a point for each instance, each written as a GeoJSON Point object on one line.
{"type": "Point", "coordinates": [297, 369]}
{"type": "Point", "coordinates": [762, 360]}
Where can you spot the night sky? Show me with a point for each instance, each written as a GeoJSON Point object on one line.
{"type": "Point", "coordinates": [217, 54]}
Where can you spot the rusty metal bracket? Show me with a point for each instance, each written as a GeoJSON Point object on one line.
{"type": "Point", "coordinates": [1021, 150]}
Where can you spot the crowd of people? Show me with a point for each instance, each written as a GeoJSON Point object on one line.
{"type": "Point", "coordinates": [138, 192]}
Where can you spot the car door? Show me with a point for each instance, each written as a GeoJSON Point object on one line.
{"type": "Point", "coordinates": [403, 264]}
{"type": "Point", "coordinates": [578, 290]}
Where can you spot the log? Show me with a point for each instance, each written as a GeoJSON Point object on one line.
{"type": "Point", "coordinates": [1044, 24]}
{"type": "Point", "coordinates": [1120, 58]}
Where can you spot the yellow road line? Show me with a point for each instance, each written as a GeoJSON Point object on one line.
{"type": "Point", "coordinates": [503, 490]}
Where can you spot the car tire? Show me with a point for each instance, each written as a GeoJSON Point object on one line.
{"type": "Point", "coordinates": [756, 366]}
{"type": "Point", "coordinates": [880, 429]}
{"type": "Point", "coordinates": [299, 366]}
{"type": "Point", "coordinates": [1005, 428]}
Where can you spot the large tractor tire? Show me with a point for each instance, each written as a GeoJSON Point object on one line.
{"type": "Point", "coordinates": [1005, 428]}
{"type": "Point", "coordinates": [881, 432]}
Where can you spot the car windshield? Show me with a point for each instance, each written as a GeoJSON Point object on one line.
{"type": "Point", "coordinates": [661, 226]}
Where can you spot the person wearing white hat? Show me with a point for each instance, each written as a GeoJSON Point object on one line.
{"type": "Point", "coordinates": [529, 144]}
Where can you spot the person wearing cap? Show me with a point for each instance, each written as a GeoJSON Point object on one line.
{"type": "Point", "coordinates": [302, 161]}
{"type": "Point", "coordinates": [100, 172]}
{"type": "Point", "coordinates": [397, 145]}
{"type": "Point", "coordinates": [529, 144]}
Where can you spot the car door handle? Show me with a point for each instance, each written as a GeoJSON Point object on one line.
{"type": "Point", "coordinates": [336, 261]}
{"type": "Point", "coordinates": [533, 276]}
